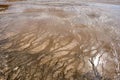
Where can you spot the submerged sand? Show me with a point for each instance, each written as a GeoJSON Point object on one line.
{"type": "Point", "coordinates": [56, 40]}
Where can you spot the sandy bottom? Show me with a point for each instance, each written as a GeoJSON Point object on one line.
{"type": "Point", "coordinates": [59, 40]}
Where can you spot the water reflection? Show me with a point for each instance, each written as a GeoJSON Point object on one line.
{"type": "Point", "coordinates": [59, 41]}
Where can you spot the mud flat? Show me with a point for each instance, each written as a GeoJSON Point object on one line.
{"type": "Point", "coordinates": [48, 40]}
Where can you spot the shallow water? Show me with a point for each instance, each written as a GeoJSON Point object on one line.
{"type": "Point", "coordinates": [48, 40]}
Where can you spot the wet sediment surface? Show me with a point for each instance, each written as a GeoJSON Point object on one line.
{"type": "Point", "coordinates": [59, 41]}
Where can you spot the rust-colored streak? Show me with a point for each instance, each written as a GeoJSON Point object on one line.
{"type": "Point", "coordinates": [4, 7]}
